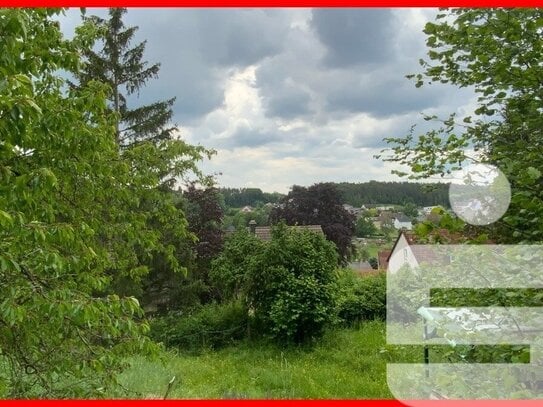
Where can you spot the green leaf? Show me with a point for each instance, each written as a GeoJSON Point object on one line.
{"type": "Point", "coordinates": [533, 173]}
{"type": "Point", "coordinates": [6, 220]}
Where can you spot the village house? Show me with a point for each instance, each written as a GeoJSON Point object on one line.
{"type": "Point", "coordinates": [402, 222]}
{"type": "Point", "coordinates": [385, 219]}
{"type": "Point", "coordinates": [384, 208]}
{"type": "Point", "coordinates": [409, 250]}
{"type": "Point", "coordinates": [354, 210]}
{"type": "Point", "coordinates": [402, 253]}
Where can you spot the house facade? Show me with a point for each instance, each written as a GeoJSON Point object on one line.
{"type": "Point", "coordinates": [408, 252]}
{"type": "Point", "coordinates": [402, 222]}
{"type": "Point", "coordinates": [402, 253]}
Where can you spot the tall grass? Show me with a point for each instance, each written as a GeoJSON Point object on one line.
{"type": "Point", "coordinates": [349, 363]}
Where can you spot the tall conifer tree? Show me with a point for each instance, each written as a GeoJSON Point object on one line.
{"type": "Point", "coordinates": [121, 66]}
{"type": "Point", "coordinates": [146, 139]}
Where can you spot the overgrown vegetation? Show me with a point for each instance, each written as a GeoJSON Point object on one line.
{"type": "Point", "coordinates": [344, 364]}
{"type": "Point", "coordinates": [210, 326]}
{"type": "Point", "coordinates": [351, 301]}
{"type": "Point", "coordinates": [360, 298]}
{"type": "Point", "coordinates": [91, 226]}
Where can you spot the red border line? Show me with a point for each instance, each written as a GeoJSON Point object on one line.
{"type": "Point", "coordinates": [271, 3]}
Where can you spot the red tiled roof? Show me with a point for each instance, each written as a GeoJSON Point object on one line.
{"type": "Point", "coordinates": [382, 259]}
{"type": "Point", "coordinates": [428, 254]}
{"type": "Point", "coordinates": [420, 249]}
{"type": "Point", "coordinates": [264, 232]}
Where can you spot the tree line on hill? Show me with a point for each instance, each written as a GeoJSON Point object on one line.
{"type": "Point", "coordinates": [239, 197]}
{"type": "Point", "coordinates": [394, 193]}
{"type": "Point", "coordinates": [356, 194]}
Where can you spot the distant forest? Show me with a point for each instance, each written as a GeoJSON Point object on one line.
{"type": "Point", "coordinates": [238, 197]}
{"type": "Point", "coordinates": [395, 193]}
{"type": "Point", "coordinates": [356, 194]}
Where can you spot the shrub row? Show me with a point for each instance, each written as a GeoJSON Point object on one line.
{"type": "Point", "coordinates": [360, 298]}
{"type": "Point", "coordinates": [357, 299]}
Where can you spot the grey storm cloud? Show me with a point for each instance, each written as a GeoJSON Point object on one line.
{"type": "Point", "coordinates": [288, 103]}
{"type": "Point", "coordinates": [245, 136]}
{"type": "Point", "coordinates": [284, 81]}
{"type": "Point", "coordinates": [363, 71]}
{"type": "Point", "coordinates": [381, 94]}
{"type": "Point", "coordinates": [354, 36]}
{"type": "Point", "coordinates": [241, 37]}
{"type": "Point", "coordinates": [197, 48]}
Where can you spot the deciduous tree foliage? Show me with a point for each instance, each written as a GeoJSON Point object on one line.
{"type": "Point", "coordinates": [69, 211]}
{"type": "Point", "coordinates": [170, 290]}
{"type": "Point", "coordinates": [319, 204]}
{"type": "Point", "coordinates": [287, 283]}
{"type": "Point", "coordinates": [499, 53]}
{"type": "Point", "coordinates": [365, 227]}
{"type": "Point", "coordinates": [204, 214]}
{"type": "Point", "coordinates": [239, 219]}
{"type": "Point", "coordinates": [230, 270]}
{"type": "Point", "coordinates": [290, 284]}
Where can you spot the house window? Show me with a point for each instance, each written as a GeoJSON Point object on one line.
{"type": "Point", "coordinates": [405, 254]}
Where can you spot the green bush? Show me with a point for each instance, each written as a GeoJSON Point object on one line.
{"type": "Point", "coordinates": [211, 326]}
{"type": "Point", "coordinates": [287, 282]}
{"type": "Point", "coordinates": [290, 284]}
{"type": "Point", "coordinates": [360, 298]}
{"type": "Point", "coordinates": [229, 271]}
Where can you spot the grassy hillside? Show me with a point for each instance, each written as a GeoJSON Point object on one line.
{"type": "Point", "coordinates": [348, 363]}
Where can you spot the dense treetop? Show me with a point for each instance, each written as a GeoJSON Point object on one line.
{"type": "Point", "coordinates": [319, 204]}
{"type": "Point", "coordinates": [123, 68]}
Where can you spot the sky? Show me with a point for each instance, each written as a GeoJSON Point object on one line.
{"type": "Point", "coordinates": [290, 96]}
